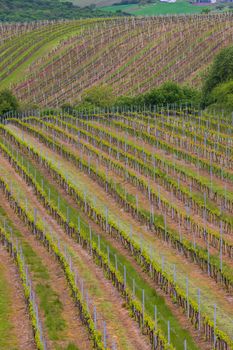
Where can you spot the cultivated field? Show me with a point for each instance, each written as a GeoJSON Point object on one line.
{"type": "Point", "coordinates": [52, 63]}
{"type": "Point", "coordinates": [158, 8]}
{"type": "Point", "coordinates": [83, 3]}
{"type": "Point", "coordinates": [121, 227]}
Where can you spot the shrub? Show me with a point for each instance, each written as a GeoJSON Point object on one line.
{"type": "Point", "coordinates": [8, 102]}
{"type": "Point", "coordinates": [221, 97]}
{"type": "Point", "coordinates": [98, 96]}
{"type": "Point", "coordinates": [169, 93]}
{"type": "Point", "coordinates": [221, 71]}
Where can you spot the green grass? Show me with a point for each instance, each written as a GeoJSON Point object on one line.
{"type": "Point", "coordinates": [52, 306]}
{"type": "Point", "coordinates": [48, 298]}
{"type": "Point", "coordinates": [178, 334]}
{"type": "Point", "coordinates": [70, 346]}
{"type": "Point", "coordinates": [7, 339]}
{"type": "Point", "coordinates": [158, 8]}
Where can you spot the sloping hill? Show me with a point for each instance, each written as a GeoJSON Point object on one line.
{"type": "Point", "coordinates": [27, 10]}
{"type": "Point", "coordinates": [58, 61]}
{"type": "Point", "coordinates": [84, 3]}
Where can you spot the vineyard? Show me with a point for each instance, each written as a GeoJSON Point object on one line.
{"type": "Point", "coordinates": [51, 63]}
{"type": "Point", "coordinates": [116, 228]}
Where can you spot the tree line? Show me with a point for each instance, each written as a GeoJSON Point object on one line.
{"type": "Point", "coordinates": [216, 91]}
{"type": "Point", "coordinates": [28, 10]}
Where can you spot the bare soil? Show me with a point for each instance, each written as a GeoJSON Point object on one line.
{"type": "Point", "coordinates": [19, 316]}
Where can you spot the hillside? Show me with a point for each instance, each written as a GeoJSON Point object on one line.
{"type": "Point", "coordinates": [84, 3]}
{"type": "Point", "coordinates": [116, 179]}
{"type": "Point", "coordinates": [134, 210]}
{"type": "Point", "coordinates": [158, 7]}
{"type": "Point", "coordinates": [27, 10]}
{"type": "Point", "coordinates": [132, 55]}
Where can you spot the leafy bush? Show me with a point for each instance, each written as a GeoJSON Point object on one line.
{"type": "Point", "coordinates": [221, 97]}
{"type": "Point", "coordinates": [67, 107]}
{"type": "Point", "coordinates": [168, 93]}
{"type": "Point", "coordinates": [221, 71]}
{"type": "Point", "coordinates": [8, 102]}
{"type": "Point", "coordinates": [98, 96]}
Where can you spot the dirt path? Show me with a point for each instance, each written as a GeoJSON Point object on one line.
{"type": "Point", "coordinates": [18, 317]}
{"type": "Point", "coordinates": [121, 326]}
{"type": "Point", "coordinates": [74, 332]}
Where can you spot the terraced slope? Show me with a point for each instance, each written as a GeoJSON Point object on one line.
{"type": "Point", "coordinates": [56, 62]}
{"type": "Point", "coordinates": [138, 210]}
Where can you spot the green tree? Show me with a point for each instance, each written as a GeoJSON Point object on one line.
{"type": "Point", "coordinates": [125, 101]}
{"type": "Point", "coordinates": [221, 97]}
{"type": "Point", "coordinates": [221, 71]}
{"type": "Point", "coordinates": [169, 93]}
{"type": "Point", "coordinates": [206, 11]}
{"type": "Point", "coordinates": [66, 107]}
{"type": "Point", "coordinates": [220, 7]}
{"type": "Point", "coordinates": [8, 102]}
{"type": "Point", "coordinates": [98, 96]}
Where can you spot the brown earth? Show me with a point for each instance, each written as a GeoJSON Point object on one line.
{"type": "Point", "coordinates": [19, 317]}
